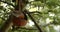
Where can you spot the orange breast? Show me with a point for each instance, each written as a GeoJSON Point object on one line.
{"type": "Point", "coordinates": [19, 22]}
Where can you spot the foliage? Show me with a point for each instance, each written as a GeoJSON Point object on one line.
{"type": "Point", "coordinates": [47, 14]}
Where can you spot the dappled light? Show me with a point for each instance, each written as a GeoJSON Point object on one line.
{"type": "Point", "coordinates": [30, 15]}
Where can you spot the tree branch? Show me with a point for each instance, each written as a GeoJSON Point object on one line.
{"type": "Point", "coordinates": [7, 25]}
{"type": "Point", "coordinates": [33, 21]}
{"type": "Point", "coordinates": [24, 28]}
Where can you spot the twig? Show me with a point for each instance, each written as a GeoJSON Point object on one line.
{"type": "Point", "coordinates": [24, 28]}
{"type": "Point", "coordinates": [34, 21]}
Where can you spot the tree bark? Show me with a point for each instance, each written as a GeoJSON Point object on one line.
{"type": "Point", "coordinates": [7, 25]}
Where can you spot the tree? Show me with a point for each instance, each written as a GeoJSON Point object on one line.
{"type": "Point", "coordinates": [46, 11]}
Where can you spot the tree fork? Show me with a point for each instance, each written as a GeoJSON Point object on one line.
{"type": "Point", "coordinates": [7, 25]}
